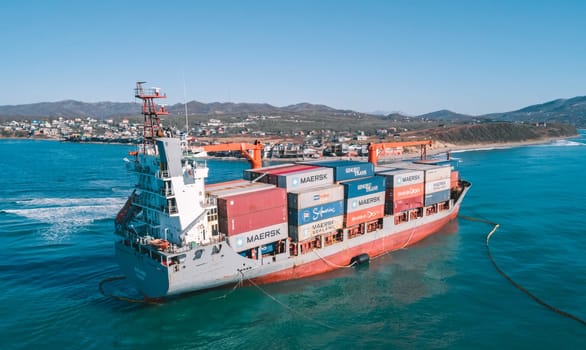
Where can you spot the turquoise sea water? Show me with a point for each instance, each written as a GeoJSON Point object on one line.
{"type": "Point", "coordinates": [58, 201]}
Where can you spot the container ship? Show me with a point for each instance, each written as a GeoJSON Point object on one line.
{"type": "Point", "coordinates": [289, 221]}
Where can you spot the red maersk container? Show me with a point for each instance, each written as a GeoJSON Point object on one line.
{"type": "Point", "coordinates": [252, 221]}
{"type": "Point", "coordinates": [251, 174]}
{"type": "Point", "coordinates": [240, 204]}
{"type": "Point", "coordinates": [404, 198]}
{"type": "Point", "coordinates": [365, 215]}
{"type": "Point", "coordinates": [404, 192]}
{"type": "Point", "coordinates": [239, 189]}
{"type": "Point", "coordinates": [226, 184]}
{"type": "Point", "coordinates": [403, 204]}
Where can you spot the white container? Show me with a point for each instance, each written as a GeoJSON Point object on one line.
{"type": "Point", "coordinates": [301, 233]}
{"type": "Point", "coordinates": [315, 196]}
{"type": "Point", "coordinates": [305, 179]}
{"type": "Point", "coordinates": [404, 177]}
{"type": "Point", "coordinates": [258, 237]}
{"type": "Point", "coordinates": [437, 186]}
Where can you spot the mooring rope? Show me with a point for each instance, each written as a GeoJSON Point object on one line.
{"type": "Point", "coordinates": [409, 240]}
{"type": "Point", "coordinates": [236, 286]}
{"type": "Point", "coordinates": [333, 264]}
{"type": "Point", "coordinates": [515, 284]}
{"type": "Point", "coordinates": [287, 306]}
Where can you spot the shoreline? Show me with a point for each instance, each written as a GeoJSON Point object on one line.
{"type": "Point", "coordinates": [437, 148]}
{"type": "Point", "coordinates": [493, 145]}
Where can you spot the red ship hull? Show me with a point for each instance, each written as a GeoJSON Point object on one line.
{"type": "Point", "coordinates": [388, 243]}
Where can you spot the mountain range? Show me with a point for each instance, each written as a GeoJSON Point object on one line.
{"type": "Point", "coordinates": [571, 111]}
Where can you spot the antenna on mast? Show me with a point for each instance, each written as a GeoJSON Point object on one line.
{"type": "Point", "coordinates": [185, 105]}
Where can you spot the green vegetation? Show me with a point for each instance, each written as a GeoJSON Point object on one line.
{"type": "Point", "coordinates": [497, 132]}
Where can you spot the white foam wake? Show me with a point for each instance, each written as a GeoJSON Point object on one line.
{"type": "Point", "coordinates": [66, 215]}
{"type": "Point", "coordinates": [565, 143]}
{"type": "Point", "coordinates": [69, 202]}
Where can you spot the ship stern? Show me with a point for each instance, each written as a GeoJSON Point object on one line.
{"type": "Point", "coordinates": [147, 275]}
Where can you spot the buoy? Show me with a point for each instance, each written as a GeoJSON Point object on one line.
{"type": "Point", "coordinates": [360, 259]}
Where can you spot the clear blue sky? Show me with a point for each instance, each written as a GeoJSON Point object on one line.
{"type": "Point", "coordinates": [473, 56]}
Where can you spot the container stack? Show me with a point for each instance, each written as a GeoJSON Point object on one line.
{"type": "Point", "coordinates": [294, 177]}
{"type": "Point", "coordinates": [251, 215]}
{"type": "Point", "coordinates": [437, 181]}
{"type": "Point", "coordinates": [364, 200]}
{"type": "Point", "coordinates": [315, 211]}
{"type": "Point", "coordinates": [404, 190]}
{"type": "Point", "coordinates": [345, 170]}
{"type": "Point", "coordinates": [252, 174]}
{"type": "Point", "coordinates": [453, 163]}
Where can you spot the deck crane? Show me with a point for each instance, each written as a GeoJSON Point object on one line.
{"type": "Point", "coordinates": [376, 149]}
{"type": "Point", "coordinates": [252, 152]}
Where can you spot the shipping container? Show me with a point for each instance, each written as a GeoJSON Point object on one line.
{"type": "Point", "coordinates": [292, 169]}
{"type": "Point", "coordinates": [362, 187]}
{"type": "Point", "coordinates": [273, 176]}
{"type": "Point", "coordinates": [437, 186]}
{"type": "Point", "coordinates": [315, 196]}
{"type": "Point", "coordinates": [225, 184]}
{"type": "Point", "coordinates": [454, 179]}
{"type": "Point", "coordinates": [347, 169]}
{"type": "Point", "coordinates": [364, 202]}
{"type": "Point", "coordinates": [403, 204]}
{"type": "Point", "coordinates": [305, 216]}
{"type": "Point", "coordinates": [436, 197]}
{"type": "Point", "coordinates": [251, 174]}
{"type": "Point", "coordinates": [404, 177]}
{"type": "Point", "coordinates": [260, 236]}
{"type": "Point", "coordinates": [362, 216]}
{"type": "Point", "coordinates": [404, 192]}
{"type": "Point", "coordinates": [316, 177]}
{"type": "Point", "coordinates": [453, 163]}
{"type": "Point", "coordinates": [432, 172]}
{"type": "Point", "coordinates": [239, 189]}
{"type": "Point", "coordinates": [384, 168]}
{"type": "Point", "coordinates": [240, 204]}
{"type": "Point", "coordinates": [253, 221]}
{"type": "Point", "coordinates": [301, 233]}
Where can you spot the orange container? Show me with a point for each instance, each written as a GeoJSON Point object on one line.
{"type": "Point", "coordinates": [361, 216]}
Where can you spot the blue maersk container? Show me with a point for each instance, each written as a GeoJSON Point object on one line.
{"type": "Point", "coordinates": [363, 187]}
{"type": "Point", "coordinates": [304, 216]}
{"type": "Point", "coordinates": [347, 169]}
{"type": "Point", "coordinates": [436, 197]}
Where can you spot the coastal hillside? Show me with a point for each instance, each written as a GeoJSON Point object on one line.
{"type": "Point", "coordinates": [501, 132]}
{"type": "Point", "coordinates": [570, 111]}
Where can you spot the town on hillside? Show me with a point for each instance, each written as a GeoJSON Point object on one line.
{"type": "Point", "coordinates": [310, 144]}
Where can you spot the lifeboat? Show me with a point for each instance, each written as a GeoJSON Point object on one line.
{"type": "Point", "coordinates": [160, 244]}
